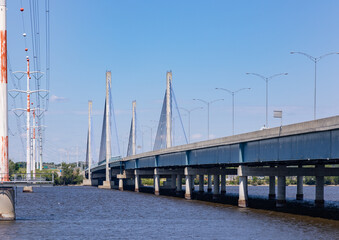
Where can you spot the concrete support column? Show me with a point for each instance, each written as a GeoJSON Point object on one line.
{"type": "Point", "coordinates": [173, 182]}
{"type": "Point", "coordinates": [121, 184]}
{"type": "Point", "coordinates": [223, 184]}
{"type": "Point", "coordinates": [179, 183]}
{"type": "Point", "coordinates": [188, 187]}
{"type": "Point", "coordinates": [281, 197]}
{"type": "Point", "coordinates": [201, 183]}
{"type": "Point", "coordinates": [193, 177]}
{"type": "Point", "coordinates": [216, 187]}
{"type": "Point", "coordinates": [137, 180]}
{"type": "Point", "coordinates": [243, 192]}
{"type": "Point", "coordinates": [319, 189]}
{"type": "Point", "coordinates": [188, 193]}
{"type": "Point", "coordinates": [209, 183]}
{"type": "Point", "coordinates": [271, 194]}
{"type": "Point", "coordinates": [156, 182]}
{"type": "Point", "coordinates": [300, 183]}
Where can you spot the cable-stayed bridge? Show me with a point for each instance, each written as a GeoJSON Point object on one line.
{"type": "Point", "coordinates": [299, 150]}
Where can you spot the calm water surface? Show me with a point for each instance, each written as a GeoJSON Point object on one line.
{"type": "Point", "coordinates": [92, 213]}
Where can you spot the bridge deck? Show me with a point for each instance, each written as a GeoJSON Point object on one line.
{"type": "Point", "coordinates": [313, 140]}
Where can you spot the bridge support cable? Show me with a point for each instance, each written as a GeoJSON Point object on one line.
{"type": "Point", "coordinates": [115, 147]}
{"type": "Point", "coordinates": [87, 152]}
{"type": "Point", "coordinates": [163, 137]}
{"type": "Point", "coordinates": [89, 145]}
{"type": "Point", "coordinates": [160, 137]}
{"type": "Point", "coordinates": [102, 152]}
{"type": "Point", "coordinates": [179, 116]}
{"type": "Point", "coordinates": [131, 149]}
{"type": "Point", "coordinates": [166, 129]}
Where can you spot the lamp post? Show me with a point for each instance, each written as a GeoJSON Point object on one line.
{"type": "Point", "coordinates": [208, 112]}
{"type": "Point", "coordinates": [232, 93]}
{"type": "Point", "coordinates": [315, 60]}
{"type": "Point", "coordinates": [266, 79]}
{"type": "Point", "coordinates": [189, 120]}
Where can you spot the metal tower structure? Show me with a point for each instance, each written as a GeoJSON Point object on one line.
{"type": "Point", "coordinates": [4, 171]}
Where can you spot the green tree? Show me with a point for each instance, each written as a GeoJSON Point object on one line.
{"type": "Point", "coordinates": [68, 175]}
{"type": "Point", "coordinates": [13, 167]}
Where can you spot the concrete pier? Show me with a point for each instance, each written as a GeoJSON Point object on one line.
{"type": "Point", "coordinates": [201, 183]}
{"type": "Point", "coordinates": [243, 192]}
{"type": "Point", "coordinates": [179, 183]}
{"type": "Point", "coordinates": [137, 181]}
{"type": "Point", "coordinates": [121, 184]}
{"type": "Point", "coordinates": [90, 182]}
{"type": "Point", "coordinates": [271, 194]}
{"type": "Point", "coordinates": [281, 197]}
{"type": "Point", "coordinates": [209, 183]}
{"type": "Point", "coordinates": [215, 186]}
{"type": "Point", "coordinates": [223, 184]}
{"type": "Point", "coordinates": [319, 191]}
{"type": "Point", "coordinates": [156, 182]}
{"type": "Point", "coordinates": [106, 185]}
{"type": "Point", "coordinates": [300, 193]}
{"type": "Point", "coordinates": [173, 181]}
{"type": "Point", "coordinates": [27, 189]}
{"type": "Point", "coordinates": [7, 204]}
{"type": "Point", "coordinates": [319, 188]}
{"type": "Point", "coordinates": [188, 187]}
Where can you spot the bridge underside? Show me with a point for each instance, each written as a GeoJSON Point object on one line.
{"type": "Point", "coordinates": [295, 150]}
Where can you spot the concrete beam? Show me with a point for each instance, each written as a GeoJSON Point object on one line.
{"type": "Point", "coordinates": [126, 174]}
{"type": "Point", "coordinates": [98, 175]}
{"type": "Point", "coordinates": [115, 171]}
{"type": "Point", "coordinates": [287, 171]}
{"type": "Point", "coordinates": [212, 171]}
{"type": "Point", "coordinates": [149, 172]}
{"type": "Point", "coordinates": [324, 124]}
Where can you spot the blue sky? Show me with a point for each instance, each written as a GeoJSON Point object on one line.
{"type": "Point", "coordinates": [206, 44]}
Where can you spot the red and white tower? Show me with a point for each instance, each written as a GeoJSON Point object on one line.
{"type": "Point", "coordinates": [4, 174]}
{"type": "Point", "coordinates": [28, 153]}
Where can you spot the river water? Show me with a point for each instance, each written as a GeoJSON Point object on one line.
{"type": "Point", "coordinates": [92, 213]}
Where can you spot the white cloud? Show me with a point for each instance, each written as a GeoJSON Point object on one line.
{"type": "Point", "coordinates": [55, 98]}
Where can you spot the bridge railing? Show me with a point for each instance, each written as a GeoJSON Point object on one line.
{"type": "Point", "coordinates": [27, 178]}
{"type": "Point", "coordinates": [112, 159]}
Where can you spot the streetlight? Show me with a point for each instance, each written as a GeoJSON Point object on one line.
{"type": "Point", "coordinates": [266, 79]}
{"type": "Point", "coordinates": [315, 60]}
{"type": "Point", "coordinates": [189, 120]}
{"type": "Point", "coordinates": [232, 93]}
{"type": "Point", "coordinates": [208, 112]}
